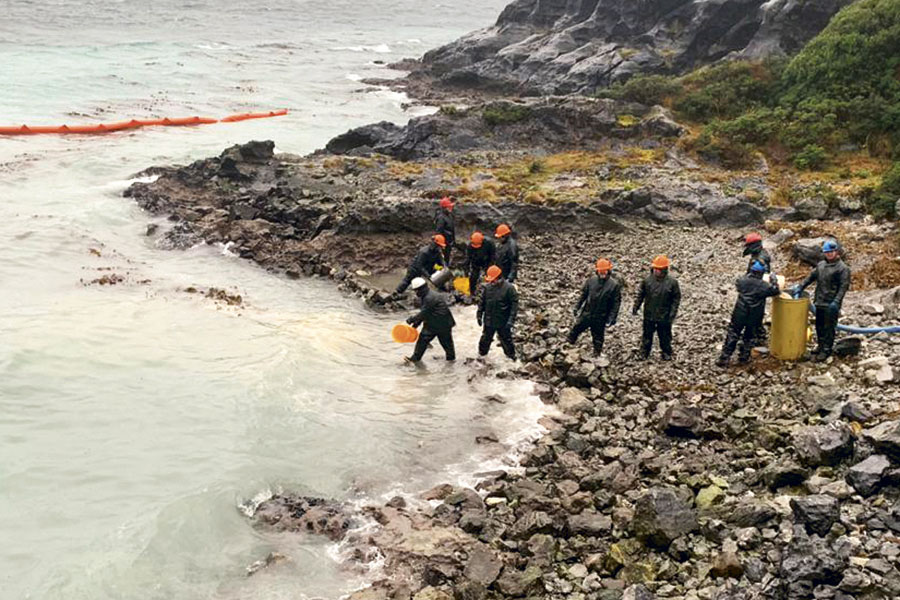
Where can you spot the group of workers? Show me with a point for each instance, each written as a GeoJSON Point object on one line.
{"type": "Point", "coordinates": [598, 304]}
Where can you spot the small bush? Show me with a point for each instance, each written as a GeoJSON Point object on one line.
{"type": "Point", "coordinates": [811, 158]}
{"type": "Point", "coordinates": [503, 113]}
{"type": "Point", "coordinates": [728, 89]}
{"type": "Point", "coordinates": [890, 182]}
{"type": "Point", "coordinates": [728, 152]}
{"type": "Point", "coordinates": [627, 120]}
{"type": "Point", "coordinates": [645, 89]}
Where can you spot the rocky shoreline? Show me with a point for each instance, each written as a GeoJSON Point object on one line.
{"type": "Point", "coordinates": [668, 480]}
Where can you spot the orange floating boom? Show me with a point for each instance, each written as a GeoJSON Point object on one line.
{"type": "Point", "coordinates": [134, 124]}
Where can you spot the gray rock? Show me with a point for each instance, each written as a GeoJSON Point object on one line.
{"type": "Point", "coordinates": [661, 516]}
{"type": "Point", "coordinates": [748, 514]}
{"type": "Point", "coordinates": [727, 564]}
{"type": "Point", "coordinates": [809, 250]}
{"type": "Point", "coordinates": [683, 420]}
{"type": "Point", "coordinates": [823, 444]}
{"type": "Point", "coordinates": [533, 522]}
{"type": "Point", "coordinates": [589, 523]}
{"type": "Point", "coordinates": [783, 472]}
{"type": "Point", "coordinates": [817, 512]}
{"type": "Point", "coordinates": [638, 592]}
{"type": "Point", "coordinates": [866, 476]}
{"type": "Point", "coordinates": [483, 567]}
{"type": "Point", "coordinates": [810, 560]}
{"type": "Point", "coordinates": [814, 208]}
{"type": "Point", "coordinates": [886, 438]}
{"type": "Point", "coordinates": [519, 583]}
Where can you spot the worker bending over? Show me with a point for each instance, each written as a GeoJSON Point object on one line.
{"type": "Point", "coordinates": [507, 253]}
{"type": "Point", "coordinates": [479, 256]}
{"type": "Point", "coordinates": [424, 262]}
{"type": "Point", "coordinates": [437, 319]}
{"type": "Point", "coordinates": [748, 313]}
{"type": "Point", "coordinates": [660, 295]}
{"type": "Point", "coordinates": [832, 279]}
{"type": "Point", "coordinates": [598, 305]}
{"type": "Point", "coordinates": [445, 225]}
{"type": "Point", "coordinates": [497, 309]}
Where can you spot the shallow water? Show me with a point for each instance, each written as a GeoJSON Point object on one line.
{"type": "Point", "coordinates": [136, 418]}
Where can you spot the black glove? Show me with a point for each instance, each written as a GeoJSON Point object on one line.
{"type": "Point", "coordinates": [480, 320]}
{"type": "Point", "coordinates": [611, 323]}
{"type": "Point", "coordinates": [411, 321]}
{"type": "Point", "coordinates": [576, 310]}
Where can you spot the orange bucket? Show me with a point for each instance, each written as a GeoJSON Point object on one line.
{"type": "Point", "coordinates": [404, 334]}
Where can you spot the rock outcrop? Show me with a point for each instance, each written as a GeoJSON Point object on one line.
{"type": "Point", "coordinates": [542, 47]}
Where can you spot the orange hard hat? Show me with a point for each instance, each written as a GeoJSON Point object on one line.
{"type": "Point", "coordinates": [502, 229]}
{"type": "Point", "coordinates": [660, 262]}
{"type": "Point", "coordinates": [446, 203]}
{"type": "Point", "coordinates": [477, 239]}
{"type": "Point", "coordinates": [493, 273]}
{"type": "Point", "coordinates": [440, 240]}
{"type": "Point", "coordinates": [603, 266]}
{"type": "Point", "coordinates": [752, 237]}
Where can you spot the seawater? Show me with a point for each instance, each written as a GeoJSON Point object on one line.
{"type": "Point", "coordinates": [136, 418]}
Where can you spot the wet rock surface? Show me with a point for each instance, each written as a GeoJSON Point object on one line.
{"type": "Point", "coordinates": [538, 47]}
{"type": "Point", "coordinates": [653, 479]}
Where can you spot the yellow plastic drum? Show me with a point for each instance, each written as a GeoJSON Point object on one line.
{"type": "Point", "coordinates": [461, 284]}
{"type": "Point", "coordinates": [789, 328]}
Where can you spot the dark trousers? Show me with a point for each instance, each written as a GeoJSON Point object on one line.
{"type": "Point", "coordinates": [826, 324]}
{"type": "Point", "coordinates": [425, 338]}
{"type": "Point", "coordinates": [663, 330]}
{"type": "Point", "coordinates": [743, 331]}
{"type": "Point", "coordinates": [597, 326]}
{"type": "Point", "coordinates": [407, 279]}
{"type": "Point", "coordinates": [506, 341]}
{"type": "Point", "coordinates": [447, 251]}
{"type": "Point", "coordinates": [474, 278]}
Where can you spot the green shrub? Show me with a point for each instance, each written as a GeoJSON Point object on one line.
{"type": "Point", "coordinates": [502, 113]}
{"type": "Point", "coordinates": [728, 89]}
{"type": "Point", "coordinates": [645, 89]}
{"type": "Point", "coordinates": [890, 181]}
{"type": "Point", "coordinates": [728, 152]}
{"type": "Point", "coordinates": [811, 158]}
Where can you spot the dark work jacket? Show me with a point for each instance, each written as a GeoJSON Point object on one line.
{"type": "Point", "coordinates": [507, 258]}
{"type": "Point", "coordinates": [499, 304]}
{"type": "Point", "coordinates": [832, 282]}
{"type": "Point", "coordinates": [660, 298]}
{"type": "Point", "coordinates": [445, 224]}
{"type": "Point", "coordinates": [601, 298]}
{"type": "Point", "coordinates": [758, 253]}
{"type": "Point", "coordinates": [750, 307]}
{"type": "Point", "coordinates": [480, 258]}
{"type": "Point", "coordinates": [435, 313]}
{"type": "Point", "coordinates": [424, 261]}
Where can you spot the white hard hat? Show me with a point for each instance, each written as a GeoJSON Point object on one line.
{"type": "Point", "coordinates": [418, 282]}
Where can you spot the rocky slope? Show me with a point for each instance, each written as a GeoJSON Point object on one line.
{"type": "Point", "coordinates": [540, 47]}
{"type": "Point", "coordinates": [669, 480]}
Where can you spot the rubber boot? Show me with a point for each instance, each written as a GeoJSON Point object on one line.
{"type": "Point", "coordinates": [723, 361]}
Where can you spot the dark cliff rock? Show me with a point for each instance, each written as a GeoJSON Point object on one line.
{"type": "Point", "coordinates": [577, 46]}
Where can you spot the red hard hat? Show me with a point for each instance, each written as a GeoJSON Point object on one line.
{"type": "Point", "coordinates": [661, 262]}
{"type": "Point", "coordinates": [752, 237]}
{"type": "Point", "coordinates": [493, 273]}
{"type": "Point", "coordinates": [502, 229]}
{"type": "Point", "coordinates": [446, 203]}
{"type": "Point", "coordinates": [603, 266]}
{"type": "Point", "coordinates": [440, 240]}
{"type": "Point", "coordinates": [477, 239]}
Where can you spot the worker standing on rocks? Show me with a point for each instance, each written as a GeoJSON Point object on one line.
{"type": "Point", "coordinates": [437, 319]}
{"type": "Point", "coordinates": [753, 247]}
{"type": "Point", "coordinates": [424, 262]}
{"type": "Point", "coordinates": [832, 279]}
{"type": "Point", "coordinates": [507, 252]}
{"type": "Point", "coordinates": [660, 295]}
{"type": "Point", "coordinates": [497, 309]}
{"type": "Point", "coordinates": [479, 256]}
{"type": "Point", "coordinates": [445, 225]}
{"type": "Point", "coordinates": [598, 305]}
{"type": "Point", "coordinates": [748, 313]}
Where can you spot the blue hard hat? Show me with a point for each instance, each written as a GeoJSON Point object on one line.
{"type": "Point", "coordinates": [829, 246]}
{"type": "Point", "coordinates": [758, 267]}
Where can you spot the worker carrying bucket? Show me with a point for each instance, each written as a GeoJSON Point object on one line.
{"type": "Point", "coordinates": [436, 320]}
{"type": "Point", "coordinates": [748, 313]}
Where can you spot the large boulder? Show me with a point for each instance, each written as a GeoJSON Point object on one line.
{"type": "Point", "coordinates": [865, 477]}
{"type": "Point", "coordinates": [809, 250]}
{"type": "Point", "coordinates": [483, 567]}
{"type": "Point", "coordinates": [661, 515]}
{"type": "Point", "coordinates": [683, 420]}
{"type": "Point", "coordinates": [886, 438]}
{"type": "Point", "coordinates": [823, 444]}
{"type": "Point", "coordinates": [817, 512]}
